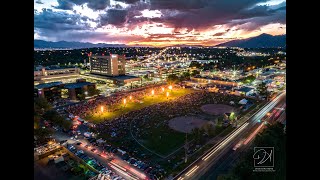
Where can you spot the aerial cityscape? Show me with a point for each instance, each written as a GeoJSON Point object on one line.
{"type": "Point", "coordinates": [159, 89]}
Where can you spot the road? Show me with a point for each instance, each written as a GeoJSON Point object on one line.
{"type": "Point", "coordinates": [228, 160]}
{"type": "Point", "coordinates": [203, 163]}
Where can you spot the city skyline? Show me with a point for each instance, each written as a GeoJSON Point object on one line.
{"type": "Point", "coordinates": [156, 22]}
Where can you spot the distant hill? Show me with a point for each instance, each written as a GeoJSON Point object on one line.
{"type": "Point", "coordinates": [261, 41]}
{"type": "Point", "coordinates": [40, 44]}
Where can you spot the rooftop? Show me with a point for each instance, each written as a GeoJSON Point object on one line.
{"type": "Point", "coordinates": [77, 85]}
{"type": "Point", "coordinates": [48, 85]}
{"type": "Point", "coordinates": [245, 89]}
{"type": "Point", "coordinates": [124, 77]}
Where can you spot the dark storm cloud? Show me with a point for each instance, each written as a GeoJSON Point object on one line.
{"type": "Point", "coordinates": [277, 15]}
{"type": "Point", "coordinates": [178, 4]}
{"type": "Point", "coordinates": [93, 4]}
{"type": "Point", "coordinates": [115, 17]}
{"type": "Point", "coordinates": [58, 21]}
{"type": "Point", "coordinates": [39, 2]}
{"type": "Point", "coordinates": [203, 14]}
{"type": "Point", "coordinates": [64, 4]}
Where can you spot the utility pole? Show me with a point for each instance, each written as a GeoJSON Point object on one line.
{"type": "Point", "coordinates": [186, 149]}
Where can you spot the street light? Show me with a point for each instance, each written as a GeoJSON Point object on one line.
{"type": "Point", "coordinates": [101, 109]}
{"type": "Point", "coordinates": [170, 87]}
{"type": "Point", "coordinates": [167, 95]}
{"type": "Point", "coordinates": [152, 92]}
{"type": "Point", "coordinates": [162, 89]}
{"type": "Point", "coordinates": [130, 97]}
{"type": "Point", "coordinates": [124, 102]}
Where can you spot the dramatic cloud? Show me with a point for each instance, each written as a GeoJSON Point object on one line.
{"type": "Point", "coordinates": [93, 4]}
{"type": "Point", "coordinates": [158, 22]}
{"type": "Point", "coordinates": [114, 16]}
{"type": "Point", "coordinates": [65, 5]}
{"type": "Point", "coordinates": [204, 14]}
{"type": "Point", "coordinates": [59, 21]}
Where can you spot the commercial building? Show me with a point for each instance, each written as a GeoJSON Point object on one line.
{"type": "Point", "coordinates": [77, 88]}
{"type": "Point", "coordinates": [53, 90]}
{"type": "Point", "coordinates": [54, 73]}
{"type": "Point", "coordinates": [113, 65]}
{"type": "Point", "coordinates": [110, 68]}
{"type": "Point", "coordinates": [50, 91]}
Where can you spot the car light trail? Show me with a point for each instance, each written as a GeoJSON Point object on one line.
{"type": "Point", "coordinates": [118, 166]}
{"type": "Point", "coordinates": [192, 170]}
{"type": "Point", "coordinates": [252, 135]}
{"type": "Point", "coordinates": [225, 141]}
{"type": "Point", "coordinates": [132, 170]}
{"type": "Point", "coordinates": [141, 175]}
{"type": "Point", "coordinates": [121, 171]}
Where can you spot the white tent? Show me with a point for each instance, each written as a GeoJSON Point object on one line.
{"type": "Point", "coordinates": [243, 101]}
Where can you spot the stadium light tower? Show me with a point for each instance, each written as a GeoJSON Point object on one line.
{"type": "Point", "coordinates": [124, 102]}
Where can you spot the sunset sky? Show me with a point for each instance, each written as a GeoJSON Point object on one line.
{"type": "Point", "coordinates": [157, 22]}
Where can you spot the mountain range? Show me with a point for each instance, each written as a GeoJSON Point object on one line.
{"type": "Point", "coordinates": [40, 44]}
{"type": "Point", "coordinates": [261, 41]}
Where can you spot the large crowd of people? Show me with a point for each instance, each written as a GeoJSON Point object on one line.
{"type": "Point", "coordinates": [91, 107]}
{"type": "Point", "coordinates": [141, 123]}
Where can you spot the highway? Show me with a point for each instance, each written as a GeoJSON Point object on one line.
{"type": "Point", "coordinates": [200, 166]}
{"type": "Point", "coordinates": [226, 162]}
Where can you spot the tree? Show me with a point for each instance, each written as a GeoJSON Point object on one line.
{"type": "Point", "coordinates": [195, 72]}
{"type": "Point", "coordinates": [198, 134]}
{"type": "Point", "coordinates": [262, 90]}
{"type": "Point", "coordinates": [54, 117]}
{"type": "Point", "coordinates": [172, 79]}
{"type": "Point", "coordinates": [41, 105]}
{"type": "Point", "coordinates": [185, 76]}
{"type": "Point", "coordinates": [93, 91]}
{"type": "Point", "coordinates": [81, 96]}
{"type": "Point", "coordinates": [66, 125]}
{"type": "Point", "coordinates": [36, 121]}
{"type": "Point", "coordinates": [209, 129]}
{"type": "Point", "coordinates": [195, 64]}
{"type": "Point", "coordinates": [248, 79]}
{"type": "Point", "coordinates": [42, 134]}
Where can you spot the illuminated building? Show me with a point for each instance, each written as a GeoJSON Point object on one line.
{"type": "Point", "coordinates": [113, 65]}
{"type": "Point", "coordinates": [46, 74]}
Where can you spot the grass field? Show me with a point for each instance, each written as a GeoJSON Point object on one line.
{"type": "Point", "coordinates": [131, 105]}
{"type": "Point", "coordinates": [164, 140]}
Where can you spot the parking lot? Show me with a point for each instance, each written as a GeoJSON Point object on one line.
{"type": "Point", "coordinates": [104, 161]}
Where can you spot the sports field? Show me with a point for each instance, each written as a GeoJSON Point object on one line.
{"type": "Point", "coordinates": [136, 104]}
